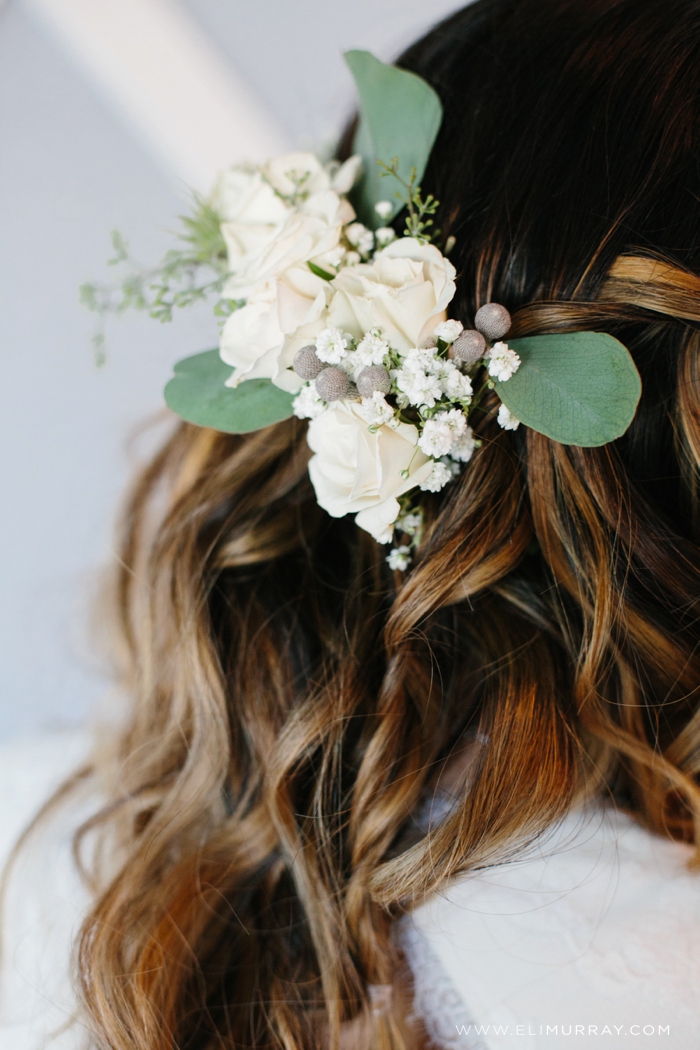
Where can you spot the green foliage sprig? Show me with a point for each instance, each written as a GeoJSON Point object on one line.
{"type": "Point", "coordinates": [185, 275]}
{"type": "Point", "coordinates": [418, 221]}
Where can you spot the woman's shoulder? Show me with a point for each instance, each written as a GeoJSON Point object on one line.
{"type": "Point", "coordinates": [597, 925]}
{"type": "Point", "coordinates": [44, 899]}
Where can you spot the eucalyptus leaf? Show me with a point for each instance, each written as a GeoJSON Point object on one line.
{"type": "Point", "coordinates": [580, 388]}
{"type": "Point", "coordinates": [400, 116]}
{"type": "Point", "coordinates": [197, 392]}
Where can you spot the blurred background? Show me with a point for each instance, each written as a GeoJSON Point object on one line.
{"type": "Point", "coordinates": [109, 111]}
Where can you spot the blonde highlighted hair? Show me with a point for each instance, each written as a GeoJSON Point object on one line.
{"type": "Point", "coordinates": [294, 703]}
{"type": "Point", "coordinates": [264, 787]}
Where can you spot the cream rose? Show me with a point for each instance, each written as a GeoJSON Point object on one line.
{"type": "Point", "coordinates": [251, 338]}
{"type": "Point", "coordinates": [304, 171]}
{"type": "Point", "coordinates": [300, 239]}
{"type": "Point", "coordinates": [267, 228]}
{"type": "Point", "coordinates": [404, 292]}
{"type": "Point", "coordinates": [260, 339]}
{"type": "Point", "coordinates": [271, 236]}
{"type": "Point", "coordinates": [252, 215]}
{"type": "Point", "coordinates": [356, 471]}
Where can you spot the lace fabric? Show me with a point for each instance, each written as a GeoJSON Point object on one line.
{"type": "Point", "coordinates": [596, 926]}
{"type": "Point", "coordinates": [436, 1001]}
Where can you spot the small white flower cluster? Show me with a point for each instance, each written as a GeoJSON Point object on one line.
{"type": "Point", "coordinates": [409, 523]}
{"type": "Point", "coordinates": [449, 330]}
{"type": "Point", "coordinates": [331, 346]}
{"type": "Point", "coordinates": [376, 409]}
{"type": "Point", "coordinates": [360, 237]}
{"type": "Point", "coordinates": [425, 377]}
{"type": "Point", "coordinates": [506, 419]}
{"type": "Point", "coordinates": [399, 558]}
{"type": "Point", "coordinates": [502, 361]}
{"type": "Point", "coordinates": [307, 404]}
{"type": "Point", "coordinates": [447, 433]}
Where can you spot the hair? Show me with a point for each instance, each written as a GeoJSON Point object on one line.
{"type": "Point", "coordinates": [294, 702]}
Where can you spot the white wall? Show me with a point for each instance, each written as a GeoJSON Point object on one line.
{"type": "Point", "coordinates": [72, 167]}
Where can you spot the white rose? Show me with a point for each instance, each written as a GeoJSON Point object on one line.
{"type": "Point", "coordinates": [251, 335]}
{"type": "Point", "coordinates": [299, 239]}
{"type": "Point", "coordinates": [311, 187]}
{"type": "Point", "coordinates": [252, 215]}
{"type": "Point", "coordinates": [242, 194]}
{"type": "Point", "coordinates": [266, 227]}
{"type": "Point", "coordinates": [404, 292]}
{"type": "Point", "coordinates": [296, 172]}
{"type": "Point", "coordinates": [345, 176]}
{"type": "Point", "coordinates": [355, 471]}
{"type": "Point", "coordinates": [261, 338]}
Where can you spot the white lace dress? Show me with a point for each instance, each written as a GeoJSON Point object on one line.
{"type": "Point", "coordinates": [591, 940]}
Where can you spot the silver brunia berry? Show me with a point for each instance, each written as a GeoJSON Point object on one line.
{"type": "Point", "coordinates": [469, 348]}
{"type": "Point", "coordinates": [372, 379]}
{"type": "Point", "coordinates": [307, 364]}
{"type": "Point", "coordinates": [493, 321]}
{"type": "Point", "coordinates": [332, 384]}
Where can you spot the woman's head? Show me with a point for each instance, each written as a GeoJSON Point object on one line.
{"type": "Point", "coordinates": [295, 703]}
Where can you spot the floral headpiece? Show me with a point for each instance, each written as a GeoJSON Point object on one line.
{"type": "Point", "coordinates": [332, 317]}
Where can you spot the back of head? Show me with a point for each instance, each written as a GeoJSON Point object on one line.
{"type": "Point", "coordinates": [295, 702]}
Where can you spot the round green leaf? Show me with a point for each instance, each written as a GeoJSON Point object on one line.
{"type": "Point", "coordinates": [198, 393]}
{"type": "Point", "coordinates": [400, 116]}
{"type": "Point", "coordinates": [580, 388]}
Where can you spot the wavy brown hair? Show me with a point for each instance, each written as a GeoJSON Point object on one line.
{"type": "Point", "coordinates": [294, 703]}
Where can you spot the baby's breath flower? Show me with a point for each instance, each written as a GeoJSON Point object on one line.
{"type": "Point", "coordinates": [448, 330]}
{"type": "Point", "coordinates": [307, 404]}
{"type": "Point", "coordinates": [372, 349]}
{"type": "Point", "coordinates": [506, 419]}
{"type": "Point", "coordinates": [439, 476]}
{"type": "Point", "coordinates": [441, 432]}
{"type": "Point", "coordinates": [386, 536]}
{"type": "Point", "coordinates": [384, 209]}
{"type": "Point", "coordinates": [334, 257]}
{"type": "Point", "coordinates": [351, 364]}
{"type": "Point", "coordinates": [352, 258]}
{"type": "Point", "coordinates": [410, 523]}
{"type": "Point", "coordinates": [360, 237]}
{"type": "Point", "coordinates": [454, 468]}
{"type": "Point", "coordinates": [420, 389]}
{"type": "Point", "coordinates": [416, 380]}
{"type": "Point", "coordinates": [366, 243]}
{"type": "Point", "coordinates": [421, 360]}
{"type": "Point", "coordinates": [383, 236]}
{"type": "Point", "coordinates": [399, 558]}
{"type": "Point", "coordinates": [502, 361]}
{"type": "Point", "coordinates": [331, 345]}
{"type": "Point", "coordinates": [463, 447]}
{"type": "Point", "coordinates": [454, 383]}
{"type": "Point", "coordinates": [376, 410]}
